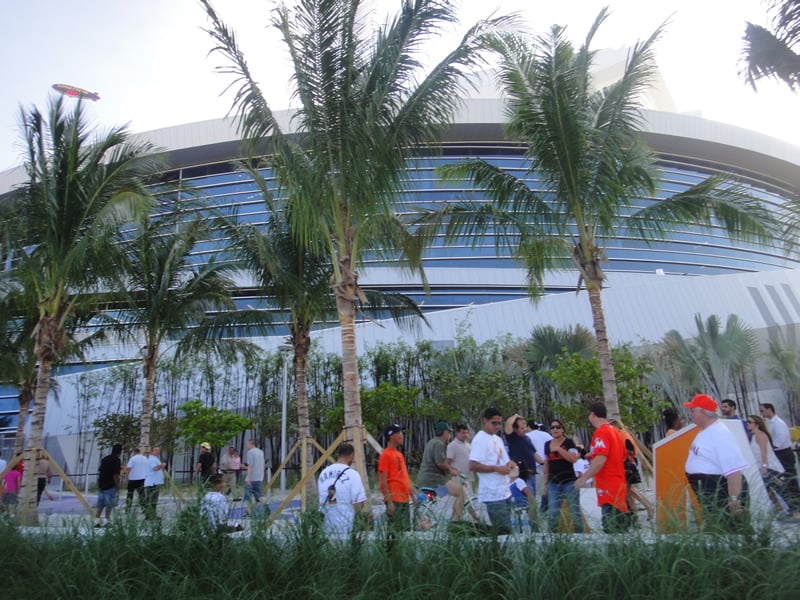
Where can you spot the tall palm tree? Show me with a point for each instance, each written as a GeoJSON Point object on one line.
{"type": "Point", "coordinates": [592, 168]}
{"type": "Point", "coordinates": [80, 190]}
{"type": "Point", "coordinates": [297, 280]}
{"type": "Point", "coordinates": [171, 299]}
{"type": "Point", "coordinates": [366, 105]}
{"type": "Point", "coordinates": [774, 53]}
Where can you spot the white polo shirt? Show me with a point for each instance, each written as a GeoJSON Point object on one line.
{"type": "Point", "coordinates": [715, 452]}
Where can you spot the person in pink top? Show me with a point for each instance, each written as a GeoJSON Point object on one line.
{"type": "Point", "coordinates": [11, 486]}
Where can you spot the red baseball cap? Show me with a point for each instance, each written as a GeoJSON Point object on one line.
{"type": "Point", "coordinates": [703, 401]}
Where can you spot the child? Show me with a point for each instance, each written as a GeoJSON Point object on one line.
{"type": "Point", "coordinates": [582, 465]}
{"type": "Point", "coordinates": [214, 506]}
{"type": "Point", "coordinates": [520, 492]}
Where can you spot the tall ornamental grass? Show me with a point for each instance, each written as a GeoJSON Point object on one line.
{"type": "Point", "coordinates": [129, 562]}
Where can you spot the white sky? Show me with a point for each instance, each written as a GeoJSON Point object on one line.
{"type": "Point", "coordinates": [148, 58]}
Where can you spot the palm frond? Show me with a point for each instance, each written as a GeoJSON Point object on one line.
{"type": "Point", "coordinates": [714, 202]}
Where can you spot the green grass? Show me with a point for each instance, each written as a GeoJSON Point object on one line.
{"type": "Point", "coordinates": [123, 562]}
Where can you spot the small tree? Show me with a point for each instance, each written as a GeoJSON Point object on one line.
{"type": "Point", "coordinates": [117, 428]}
{"type": "Point", "coordinates": [467, 379]}
{"type": "Point", "coordinates": [209, 424]}
{"type": "Point", "coordinates": [578, 383]}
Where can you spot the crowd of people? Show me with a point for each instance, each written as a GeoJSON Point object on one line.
{"type": "Point", "coordinates": [512, 460]}
{"type": "Point", "coordinates": [146, 476]}
{"type": "Point", "coordinates": [507, 467]}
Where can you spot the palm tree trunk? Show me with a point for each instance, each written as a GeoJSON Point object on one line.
{"type": "Point", "coordinates": [346, 307]}
{"type": "Point", "coordinates": [29, 513]}
{"type": "Point", "coordinates": [603, 350]}
{"type": "Point", "coordinates": [147, 402]}
{"type": "Point", "coordinates": [25, 399]}
{"type": "Point", "coordinates": [301, 340]}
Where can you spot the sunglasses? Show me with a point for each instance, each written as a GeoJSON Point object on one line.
{"type": "Point", "coordinates": [496, 423]}
{"type": "Point", "coordinates": [556, 427]}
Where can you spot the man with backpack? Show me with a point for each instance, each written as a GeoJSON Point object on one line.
{"type": "Point", "coordinates": [341, 492]}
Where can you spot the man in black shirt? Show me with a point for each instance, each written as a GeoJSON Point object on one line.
{"type": "Point", "coordinates": [108, 484]}
{"type": "Point", "coordinates": [205, 464]}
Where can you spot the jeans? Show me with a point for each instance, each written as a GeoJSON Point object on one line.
{"type": "Point", "coordinates": [134, 486]}
{"type": "Point", "coordinates": [712, 494]}
{"type": "Point", "coordinates": [500, 515]}
{"type": "Point", "coordinates": [252, 491]}
{"type": "Point", "coordinates": [614, 520]}
{"type": "Point", "coordinates": [556, 494]}
{"type": "Point", "coordinates": [397, 523]}
{"type": "Point", "coordinates": [790, 493]}
{"type": "Point", "coordinates": [107, 498]}
{"type": "Point", "coordinates": [151, 501]}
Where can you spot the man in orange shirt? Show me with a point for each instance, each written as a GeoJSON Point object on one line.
{"type": "Point", "coordinates": [394, 482]}
{"type": "Point", "coordinates": [608, 468]}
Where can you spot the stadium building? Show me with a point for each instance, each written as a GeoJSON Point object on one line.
{"type": "Point", "coordinates": [651, 288]}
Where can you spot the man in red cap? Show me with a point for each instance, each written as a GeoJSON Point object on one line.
{"type": "Point", "coordinates": [714, 466]}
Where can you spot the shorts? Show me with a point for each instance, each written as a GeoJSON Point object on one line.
{"type": "Point", "coordinates": [441, 491]}
{"type": "Point", "coordinates": [107, 498]}
{"type": "Point", "coordinates": [10, 498]}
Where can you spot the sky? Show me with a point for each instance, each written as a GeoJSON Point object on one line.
{"type": "Point", "coordinates": [149, 59]}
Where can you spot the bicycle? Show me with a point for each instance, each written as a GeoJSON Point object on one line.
{"type": "Point", "coordinates": [424, 517]}
{"type": "Point", "coordinates": [429, 513]}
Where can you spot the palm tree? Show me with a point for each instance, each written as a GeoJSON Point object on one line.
{"type": "Point", "coordinates": [366, 106]}
{"type": "Point", "coordinates": [171, 298]}
{"type": "Point", "coordinates": [774, 53]}
{"type": "Point", "coordinates": [296, 280]}
{"type": "Point", "coordinates": [17, 356]}
{"type": "Point", "coordinates": [79, 192]}
{"type": "Point", "coordinates": [592, 167]}
{"type": "Point", "coordinates": [783, 359]}
{"type": "Point", "coordinates": [716, 361]}
{"type": "Point", "coordinates": [542, 351]}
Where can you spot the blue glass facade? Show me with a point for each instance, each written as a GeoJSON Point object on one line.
{"type": "Point", "coordinates": [687, 251]}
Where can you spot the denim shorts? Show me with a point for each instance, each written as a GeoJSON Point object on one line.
{"type": "Point", "coordinates": [107, 498]}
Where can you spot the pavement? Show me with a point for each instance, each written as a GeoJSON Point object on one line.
{"type": "Point", "coordinates": [66, 513]}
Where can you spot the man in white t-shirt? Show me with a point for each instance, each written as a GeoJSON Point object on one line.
{"type": "Point", "coordinates": [341, 492]}
{"type": "Point", "coordinates": [153, 482]}
{"type": "Point", "coordinates": [714, 466]}
{"type": "Point", "coordinates": [489, 459]}
{"type": "Point", "coordinates": [255, 472]}
{"type": "Point", "coordinates": [137, 472]}
{"type": "Point", "coordinates": [782, 444]}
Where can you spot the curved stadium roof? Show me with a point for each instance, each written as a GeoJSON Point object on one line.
{"type": "Point", "coordinates": [462, 278]}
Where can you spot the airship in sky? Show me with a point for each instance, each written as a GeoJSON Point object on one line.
{"type": "Point", "coordinates": [75, 92]}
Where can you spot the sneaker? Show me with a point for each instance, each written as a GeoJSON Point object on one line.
{"type": "Point", "coordinates": [98, 525]}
